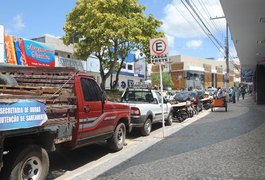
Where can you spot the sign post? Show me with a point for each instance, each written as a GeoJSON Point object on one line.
{"type": "Point", "coordinates": [159, 54]}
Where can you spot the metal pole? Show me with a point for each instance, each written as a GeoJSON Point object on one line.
{"type": "Point", "coordinates": [226, 53]}
{"type": "Point", "coordinates": [162, 106]}
{"type": "Point", "coordinates": [227, 57]}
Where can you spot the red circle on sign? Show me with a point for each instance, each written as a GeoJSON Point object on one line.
{"type": "Point", "coordinates": [163, 42]}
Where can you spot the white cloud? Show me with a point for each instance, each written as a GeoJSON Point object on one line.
{"type": "Point", "coordinates": [170, 40]}
{"type": "Point", "coordinates": [179, 23]}
{"type": "Point", "coordinates": [18, 23]}
{"type": "Point", "coordinates": [173, 52]}
{"type": "Point", "coordinates": [194, 44]}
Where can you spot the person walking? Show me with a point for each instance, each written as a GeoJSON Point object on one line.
{"type": "Point", "coordinates": [233, 94]}
{"type": "Point", "coordinates": [243, 92]}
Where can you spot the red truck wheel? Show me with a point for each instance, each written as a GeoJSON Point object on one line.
{"type": "Point", "coordinates": [116, 142]}
{"type": "Point", "coordinates": [27, 162]}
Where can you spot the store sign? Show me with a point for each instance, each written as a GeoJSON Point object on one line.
{"type": "Point", "coordinates": [38, 54]}
{"type": "Point", "coordinates": [67, 62]}
{"type": "Point", "coordinates": [159, 50]}
{"type": "Point", "coordinates": [28, 53]}
{"type": "Point", "coordinates": [22, 114]}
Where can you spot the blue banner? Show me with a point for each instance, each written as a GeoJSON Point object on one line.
{"type": "Point", "coordinates": [39, 52]}
{"type": "Point", "coordinates": [18, 53]}
{"type": "Point", "coordinates": [22, 114]}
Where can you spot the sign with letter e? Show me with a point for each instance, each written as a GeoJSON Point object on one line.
{"type": "Point", "coordinates": [159, 50]}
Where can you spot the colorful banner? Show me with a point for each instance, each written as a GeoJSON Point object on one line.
{"type": "Point", "coordinates": [22, 114]}
{"type": "Point", "coordinates": [22, 48]}
{"type": "Point", "coordinates": [10, 50]}
{"type": "Point", "coordinates": [28, 53]}
{"type": "Point", "coordinates": [18, 53]}
{"type": "Point", "coordinates": [38, 54]}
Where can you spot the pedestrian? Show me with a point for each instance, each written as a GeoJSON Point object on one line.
{"type": "Point", "coordinates": [221, 93]}
{"type": "Point", "coordinates": [233, 94]}
{"type": "Point", "coordinates": [238, 93]}
{"type": "Point", "coordinates": [243, 91]}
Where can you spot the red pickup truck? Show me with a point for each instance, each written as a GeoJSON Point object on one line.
{"type": "Point", "coordinates": [41, 108]}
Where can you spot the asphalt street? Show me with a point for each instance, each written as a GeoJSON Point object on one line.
{"type": "Point", "coordinates": [213, 145]}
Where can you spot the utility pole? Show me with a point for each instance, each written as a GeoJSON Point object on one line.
{"type": "Point", "coordinates": [226, 53]}
{"type": "Point", "coordinates": [227, 57]}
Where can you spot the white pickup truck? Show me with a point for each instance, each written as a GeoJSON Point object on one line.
{"type": "Point", "coordinates": [146, 108]}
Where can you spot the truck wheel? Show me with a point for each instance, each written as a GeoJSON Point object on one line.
{"type": "Point", "coordinates": [27, 162]}
{"type": "Point", "coordinates": [7, 80]}
{"type": "Point", "coordinates": [169, 119]}
{"type": "Point", "coordinates": [116, 142]}
{"type": "Point", "coordinates": [146, 130]}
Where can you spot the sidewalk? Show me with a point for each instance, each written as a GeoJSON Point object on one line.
{"type": "Point", "coordinates": [210, 146]}
{"type": "Point", "coordinates": [222, 145]}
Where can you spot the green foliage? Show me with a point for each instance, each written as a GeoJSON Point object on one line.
{"type": "Point", "coordinates": [167, 80]}
{"type": "Point", "coordinates": [109, 29]}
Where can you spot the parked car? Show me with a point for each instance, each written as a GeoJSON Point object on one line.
{"type": "Point", "coordinates": [146, 108]}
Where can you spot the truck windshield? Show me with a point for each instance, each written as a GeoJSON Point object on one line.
{"type": "Point", "coordinates": [141, 96]}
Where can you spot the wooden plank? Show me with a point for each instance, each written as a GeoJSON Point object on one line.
{"type": "Point", "coordinates": [60, 107]}
{"type": "Point", "coordinates": [34, 76]}
{"type": "Point", "coordinates": [20, 91]}
{"type": "Point", "coordinates": [60, 121]}
{"type": "Point", "coordinates": [68, 86]}
{"type": "Point", "coordinates": [37, 70]}
{"type": "Point", "coordinates": [18, 87]}
{"type": "Point", "coordinates": [44, 80]}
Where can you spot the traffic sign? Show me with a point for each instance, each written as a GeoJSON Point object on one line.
{"type": "Point", "coordinates": [159, 50]}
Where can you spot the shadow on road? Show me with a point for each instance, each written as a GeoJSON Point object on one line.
{"type": "Point", "coordinates": [62, 161]}
{"type": "Point", "coordinates": [211, 129]}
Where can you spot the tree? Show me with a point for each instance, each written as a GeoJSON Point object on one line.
{"type": "Point", "coordinates": [167, 80]}
{"type": "Point", "coordinates": [109, 29]}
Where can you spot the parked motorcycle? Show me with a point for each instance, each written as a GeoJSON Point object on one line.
{"type": "Point", "coordinates": [179, 112]}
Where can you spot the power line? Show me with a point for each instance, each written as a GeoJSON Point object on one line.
{"type": "Point", "coordinates": [202, 23]}
{"type": "Point", "coordinates": [181, 13]}
{"type": "Point", "coordinates": [192, 9]}
{"type": "Point", "coordinates": [206, 29]}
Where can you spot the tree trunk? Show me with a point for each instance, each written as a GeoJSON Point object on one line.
{"type": "Point", "coordinates": [111, 84]}
{"type": "Point", "coordinates": [115, 85]}
{"type": "Point", "coordinates": [103, 82]}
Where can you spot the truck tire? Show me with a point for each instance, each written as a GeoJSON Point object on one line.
{"type": "Point", "coordinates": [27, 162]}
{"type": "Point", "coordinates": [7, 80]}
{"type": "Point", "coordinates": [169, 119]}
{"type": "Point", "coordinates": [146, 130]}
{"type": "Point", "coordinates": [117, 141]}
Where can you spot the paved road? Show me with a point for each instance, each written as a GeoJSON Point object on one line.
{"type": "Point", "coordinates": [219, 145]}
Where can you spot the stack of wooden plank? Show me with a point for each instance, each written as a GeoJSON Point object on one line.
{"type": "Point", "coordinates": [53, 86]}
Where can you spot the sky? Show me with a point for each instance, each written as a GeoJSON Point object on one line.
{"type": "Point", "coordinates": [31, 18]}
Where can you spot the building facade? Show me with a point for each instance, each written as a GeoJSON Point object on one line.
{"type": "Point", "coordinates": [133, 69]}
{"type": "Point", "coordinates": [196, 73]}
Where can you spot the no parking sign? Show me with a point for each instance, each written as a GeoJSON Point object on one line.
{"type": "Point", "coordinates": [159, 50]}
{"type": "Point", "coordinates": [159, 53]}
